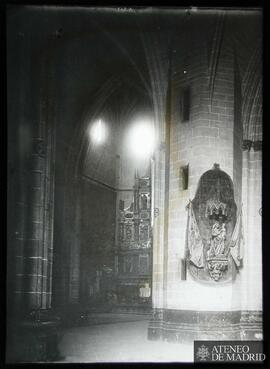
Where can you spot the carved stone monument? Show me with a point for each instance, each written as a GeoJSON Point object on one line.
{"type": "Point", "coordinates": [214, 231]}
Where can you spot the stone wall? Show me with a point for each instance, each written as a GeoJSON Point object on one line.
{"type": "Point", "coordinates": [205, 139]}
{"type": "Point", "coordinates": [213, 134]}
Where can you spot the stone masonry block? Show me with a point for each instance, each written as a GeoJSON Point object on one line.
{"type": "Point", "coordinates": [32, 248]}
{"type": "Point", "coordinates": [34, 230]}
{"type": "Point", "coordinates": [200, 122]}
{"type": "Point", "coordinates": [205, 132]}
{"type": "Point", "coordinates": [217, 109]}
{"type": "Point", "coordinates": [36, 179]}
{"type": "Point", "coordinates": [33, 265]}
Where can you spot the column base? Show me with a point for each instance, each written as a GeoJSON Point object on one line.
{"type": "Point", "coordinates": [34, 339]}
{"type": "Point", "coordinates": [185, 326]}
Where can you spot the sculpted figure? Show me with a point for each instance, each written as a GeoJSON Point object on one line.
{"type": "Point", "coordinates": [218, 240]}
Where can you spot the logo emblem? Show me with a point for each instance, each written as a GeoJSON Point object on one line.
{"type": "Point", "coordinates": [203, 353]}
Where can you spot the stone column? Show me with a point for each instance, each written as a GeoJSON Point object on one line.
{"type": "Point", "coordinates": [31, 199]}
{"type": "Point", "coordinates": [158, 62]}
{"type": "Point", "coordinates": [36, 196]}
{"type": "Point", "coordinates": [19, 147]}
{"type": "Point", "coordinates": [75, 250]}
{"type": "Point", "coordinates": [251, 274]}
{"type": "Point", "coordinates": [211, 135]}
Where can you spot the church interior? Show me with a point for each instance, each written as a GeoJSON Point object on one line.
{"type": "Point", "coordinates": [134, 182]}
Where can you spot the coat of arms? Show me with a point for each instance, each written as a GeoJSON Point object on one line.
{"type": "Point", "coordinates": [214, 231]}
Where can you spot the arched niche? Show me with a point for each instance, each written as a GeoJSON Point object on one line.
{"type": "Point", "coordinates": [214, 230]}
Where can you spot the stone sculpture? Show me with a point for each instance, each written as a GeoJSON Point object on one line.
{"type": "Point", "coordinates": [214, 232]}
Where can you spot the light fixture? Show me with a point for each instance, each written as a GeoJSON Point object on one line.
{"type": "Point", "coordinates": [141, 138]}
{"type": "Point", "coordinates": [98, 132]}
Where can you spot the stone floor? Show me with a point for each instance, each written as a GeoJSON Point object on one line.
{"type": "Point", "coordinates": [119, 339]}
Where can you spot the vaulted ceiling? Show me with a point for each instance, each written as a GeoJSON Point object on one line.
{"type": "Point", "coordinates": [110, 59]}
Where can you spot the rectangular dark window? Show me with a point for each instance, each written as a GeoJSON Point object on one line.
{"type": "Point", "coordinates": [183, 269]}
{"type": "Point", "coordinates": [121, 205]}
{"type": "Point", "coordinates": [185, 104]}
{"type": "Point", "coordinates": [184, 176]}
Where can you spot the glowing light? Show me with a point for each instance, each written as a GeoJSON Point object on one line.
{"type": "Point", "coordinates": [142, 139]}
{"type": "Point", "coordinates": [98, 132]}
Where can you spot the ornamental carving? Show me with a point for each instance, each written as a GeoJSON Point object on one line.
{"type": "Point", "coordinates": [133, 251]}
{"type": "Point", "coordinates": [214, 231]}
{"type": "Point", "coordinates": [134, 221]}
